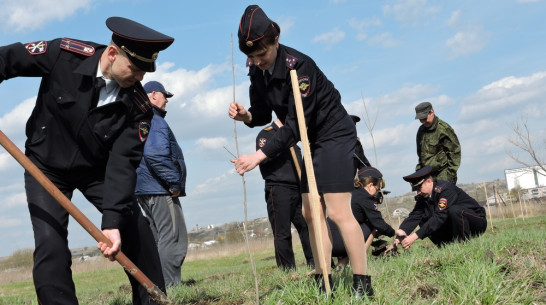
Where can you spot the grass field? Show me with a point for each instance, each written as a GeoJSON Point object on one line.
{"type": "Point", "coordinates": [504, 266]}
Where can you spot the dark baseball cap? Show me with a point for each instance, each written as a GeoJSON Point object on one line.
{"type": "Point", "coordinates": [141, 43]}
{"type": "Point", "coordinates": [422, 110]}
{"type": "Point", "coordinates": [152, 86]}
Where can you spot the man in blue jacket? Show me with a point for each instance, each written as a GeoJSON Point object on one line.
{"type": "Point", "coordinates": [161, 179]}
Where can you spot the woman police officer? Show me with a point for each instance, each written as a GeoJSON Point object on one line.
{"type": "Point", "coordinates": [331, 132]}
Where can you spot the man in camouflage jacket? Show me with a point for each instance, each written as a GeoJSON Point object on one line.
{"type": "Point", "coordinates": [437, 145]}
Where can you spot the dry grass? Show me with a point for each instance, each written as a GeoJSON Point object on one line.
{"type": "Point", "coordinates": [99, 262]}
{"type": "Point", "coordinates": [223, 250]}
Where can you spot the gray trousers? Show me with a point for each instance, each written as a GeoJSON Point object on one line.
{"type": "Point", "coordinates": [169, 228]}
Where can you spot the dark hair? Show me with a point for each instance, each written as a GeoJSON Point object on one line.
{"type": "Point", "coordinates": [365, 181]}
{"type": "Point", "coordinates": [267, 39]}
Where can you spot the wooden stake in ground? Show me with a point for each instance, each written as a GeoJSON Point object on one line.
{"type": "Point", "coordinates": [497, 201]}
{"type": "Point", "coordinates": [153, 291]}
{"type": "Point", "coordinates": [488, 208]}
{"type": "Point", "coordinates": [512, 206]}
{"type": "Point", "coordinates": [521, 206]}
{"type": "Point", "coordinates": [254, 272]}
{"type": "Point", "coordinates": [313, 191]}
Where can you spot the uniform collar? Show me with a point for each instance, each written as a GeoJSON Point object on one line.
{"type": "Point", "coordinates": [434, 123]}
{"type": "Point", "coordinates": [89, 65]}
{"type": "Point", "coordinates": [279, 67]}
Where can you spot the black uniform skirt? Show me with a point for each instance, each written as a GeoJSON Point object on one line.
{"type": "Point", "coordinates": [333, 158]}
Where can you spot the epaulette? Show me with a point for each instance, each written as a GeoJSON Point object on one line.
{"type": "Point", "coordinates": [140, 98]}
{"type": "Point", "coordinates": [291, 61]}
{"type": "Point", "coordinates": [438, 189]}
{"type": "Point", "coordinates": [268, 128]}
{"type": "Point", "coordinates": [76, 46]}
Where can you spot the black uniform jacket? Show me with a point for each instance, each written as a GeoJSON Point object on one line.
{"type": "Point", "coordinates": [66, 131]}
{"type": "Point", "coordinates": [432, 212]}
{"type": "Point", "coordinates": [279, 169]}
{"type": "Point", "coordinates": [321, 101]}
{"type": "Point", "coordinates": [364, 208]}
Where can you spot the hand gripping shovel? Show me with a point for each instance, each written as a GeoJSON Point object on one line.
{"type": "Point", "coordinates": [153, 291]}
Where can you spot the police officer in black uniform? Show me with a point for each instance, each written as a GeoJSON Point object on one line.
{"type": "Point", "coordinates": [282, 194]}
{"type": "Point", "coordinates": [87, 132]}
{"type": "Point", "coordinates": [444, 212]}
{"type": "Point", "coordinates": [365, 198]}
{"type": "Point", "coordinates": [330, 129]}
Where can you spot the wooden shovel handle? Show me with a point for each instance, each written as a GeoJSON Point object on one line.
{"type": "Point", "coordinates": [313, 191]}
{"type": "Point", "coordinates": [154, 292]}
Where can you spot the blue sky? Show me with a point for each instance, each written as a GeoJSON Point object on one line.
{"type": "Point", "coordinates": [481, 64]}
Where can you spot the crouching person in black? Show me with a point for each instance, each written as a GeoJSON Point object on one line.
{"type": "Point", "coordinates": [444, 212]}
{"type": "Point", "coordinates": [365, 198]}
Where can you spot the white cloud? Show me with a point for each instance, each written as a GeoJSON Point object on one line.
{"type": "Point", "coordinates": [286, 24]}
{"type": "Point", "coordinates": [9, 222]}
{"type": "Point", "coordinates": [205, 144]}
{"type": "Point", "coordinates": [467, 42]}
{"type": "Point", "coordinates": [362, 25]}
{"type": "Point", "coordinates": [14, 121]}
{"type": "Point", "coordinates": [383, 40]}
{"type": "Point", "coordinates": [15, 200]}
{"type": "Point", "coordinates": [507, 96]}
{"type": "Point", "coordinates": [185, 83]}
{"type": "Point", "coordinates": [330, 38]}
{"type": "Point", "coordinates": [410, 12]}
{"type": "Point", "coordinates": [28, 15]}
{"type": "Point", "coordinates": [454, 18]}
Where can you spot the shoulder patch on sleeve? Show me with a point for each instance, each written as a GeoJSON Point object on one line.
{"type": "Point", "coordinates": [305, 85]}
{"type": "Point", "coordinates": [442, 204]}
{"type": "Point", "coordinates": [144, 129]}
{"type": "Point", "coordinates": [291, 61]}
{"type": "Point", "coordinates": [76, 46]}
{"type": "Point", "coordinates": [36, 47]}
{"type": "Point", "coordinates": [261, 142]}
{"type": "Point", "coordinates": [140, 98]}
{"type": "Point", "coordinates": [438, 189]}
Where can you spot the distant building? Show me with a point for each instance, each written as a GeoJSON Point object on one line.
{"type": "Point", "coordinates": [532, 180]}
{"type": "Point", "coordinates": [525, 177]}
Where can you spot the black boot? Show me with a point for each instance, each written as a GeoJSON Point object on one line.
{"type": "Point", "coordinates": [319, 278]}
{"type": "Point", "coordinates": [362, 285]}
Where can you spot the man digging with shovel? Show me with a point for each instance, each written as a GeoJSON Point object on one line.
{"type": "Point", "coordinates": [87, 132]}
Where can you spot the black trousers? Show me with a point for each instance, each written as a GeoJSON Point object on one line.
{"type": "Point", "coordinates": [284, 207]}
{"type": "Point", "coordinates": [338, 246]}
{"type": "Point", "coordinates": [461, 224]}
{"type": "Point", "coordinates": [52, 258]}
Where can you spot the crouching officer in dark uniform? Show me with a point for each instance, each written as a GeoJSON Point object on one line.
{"type": "Point", "coordinates": [87, 132]}
{"type": "Point", "coordinates": [282, 194]}
{"type": "Point", "coordinates": [444, 212]}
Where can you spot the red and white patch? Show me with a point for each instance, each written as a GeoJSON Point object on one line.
{"type": "Point", "coordinates": [305, 85]}
{"type": "Point", "coordinates": [442, 204]}
{"type": "Point", "coordinates": [144, 130]}
{"type": "Point", "coordinates": [261, 142]}
{"type": "Point", "coordinates": [37, 47]}
{"type": "Point", "coordinates": [375, 206]}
